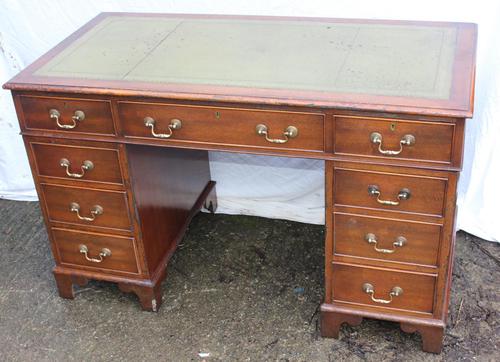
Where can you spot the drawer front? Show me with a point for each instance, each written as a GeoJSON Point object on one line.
{"type": "Point", "coordinates": [357, 136]}
{"type": "Point", "coordinates": [389, 191]}
{"type": "Point", "coordinates": [87, 207]}
{"type": "Point", "coordinates": [105, 252]}
{"type": "Point", "coordinates": [223, 125]}
{"type": "Point", "coordinates": [77, 162]}
{"type": "Point", "coordinates": [68, 115]}
{"type": "Point", "coordinates": [386, 239]}
{"type": "Point", "coordinates": [373, 287]}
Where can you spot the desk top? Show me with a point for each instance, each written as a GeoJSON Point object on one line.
{"type": "Point", "coordinates": [394, 66]}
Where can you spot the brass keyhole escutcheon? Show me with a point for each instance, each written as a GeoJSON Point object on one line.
{"type": "Point", "coordinates": [393, 127]}
{"type": "Point", "coordinates": [217, 114]}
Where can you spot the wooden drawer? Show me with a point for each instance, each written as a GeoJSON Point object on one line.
{"type": "Point", "coordinates": [97, 115]}
{"type": "Point", "coordinates": [78, 161]}
{"type": "Point", "coordinates": [433, 140]}
{"type": "Point", "coordinates": [71, 246]}
{"type": "Point", "coordinates": [417, 289]}
{"type": "Point", "coordinates": [386, 239]}
{"type": "Point", "coordinates": [369, 188]}
{"type": "Point", "coordinates": [60, 202]}
{"type": "Point", "coordinates": [235, 127]}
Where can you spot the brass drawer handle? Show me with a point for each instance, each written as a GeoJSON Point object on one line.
{"type": "Point", "coordinates": [105, 252]}
{"type": "Point", "coordinates": [404, 194]}
{"type": "Point", "coordinates": [174, 124]}
{"type": "Point", "coordinates": [86, 166]}
{"type": "Point", "coordinates": [78, 116]}
{"type": "Point", "coordinates": [395, 292]}
{"type": "Point", "coordinates": [94, 212]}
{"type": "Point", "coordinates": [406, 140]}
{"type": "Point", "coordinates": [372, 239]}
{"type": "Point", "coordinates": [290, 132]}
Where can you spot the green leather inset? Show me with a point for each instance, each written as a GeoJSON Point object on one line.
{"type": "Point", "coordinates": [378, 59]}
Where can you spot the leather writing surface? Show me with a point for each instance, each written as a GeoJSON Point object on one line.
{"type": "Point", "coordinates": [372, 58]}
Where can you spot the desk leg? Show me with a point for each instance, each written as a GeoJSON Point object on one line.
{"type": "Point", "coordinates": [211, 201]}
{"type": "Point", "coordinates": [432, 337]}
{"type": "Point", "coordinates": [149, 296]}
{"type": "Point", "coordinates": [65, 284]}
{"type": "Point", "coordinates": [332, 321]}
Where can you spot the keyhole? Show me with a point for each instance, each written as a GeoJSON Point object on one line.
{"type": "Point", "coordinates": [393, 126]}
{"type": "Point", "coordinates": [217, 115]}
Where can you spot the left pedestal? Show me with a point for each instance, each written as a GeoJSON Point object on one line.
{"type": "Point", "coordinates": [117, 212]}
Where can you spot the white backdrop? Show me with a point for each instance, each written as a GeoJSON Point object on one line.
{"type": "Point", "coordinates": [269, 186]}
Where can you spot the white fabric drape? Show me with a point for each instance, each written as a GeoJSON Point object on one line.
{"type": "Point", "coordinates": [269, 186]}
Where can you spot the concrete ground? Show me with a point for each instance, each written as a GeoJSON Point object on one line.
{"type": "Point", "coordinates": [239, 288]}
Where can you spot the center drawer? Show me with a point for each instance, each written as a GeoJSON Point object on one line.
{"type": "Point", "coordinates": [228, 126]}
{"type": "Point", "coordinates": [96, 208]}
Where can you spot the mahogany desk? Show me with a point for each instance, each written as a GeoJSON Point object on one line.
{"type": "Point", "coordinates": [118, 120]}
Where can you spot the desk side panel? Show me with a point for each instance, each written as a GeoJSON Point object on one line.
{"type": "Point", "coordinates": [166, 185]}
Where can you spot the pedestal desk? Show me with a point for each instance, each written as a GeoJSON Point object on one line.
{"type": "Point", "coordinates": [118, 120]}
